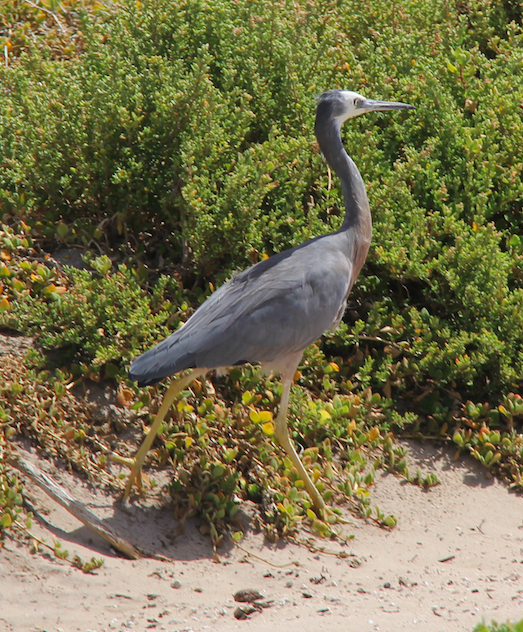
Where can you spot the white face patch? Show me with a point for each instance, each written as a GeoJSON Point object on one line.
{"type": "Point", "coordinates": [353, 106]}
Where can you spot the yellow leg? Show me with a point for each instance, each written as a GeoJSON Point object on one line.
{"type": "Point", "coordinates": [282, 433]}
{"type": "Point", "coordinates": [172, 393]}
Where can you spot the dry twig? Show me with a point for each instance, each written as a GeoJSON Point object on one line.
{"type": "Point", "coordinates": [76, 508]}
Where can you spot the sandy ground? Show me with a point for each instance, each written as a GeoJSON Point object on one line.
{"type": "Point", "coordinates": [455, 558]}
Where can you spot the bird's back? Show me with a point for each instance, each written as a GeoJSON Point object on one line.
{"type": "Point", "coordinates": [276, 307]}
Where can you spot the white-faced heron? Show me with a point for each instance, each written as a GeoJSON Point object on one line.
{"type": "Point", "coordinates": [270, 312]}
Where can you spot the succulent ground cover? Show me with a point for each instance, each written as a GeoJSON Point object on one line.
{"type": "Point", "coordinates": [504, 627]}
{"type": "Point", "coordinates": [172, 145]}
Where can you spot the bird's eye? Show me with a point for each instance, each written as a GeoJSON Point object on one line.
{"type": "Point", "coordinates": [357, 103]}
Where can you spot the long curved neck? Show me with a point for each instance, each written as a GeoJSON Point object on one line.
{"type": "Point", "coordinates": [357, 209]}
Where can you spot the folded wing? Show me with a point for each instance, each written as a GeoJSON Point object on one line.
{"type": "Point", "coordinates": [276, 307]}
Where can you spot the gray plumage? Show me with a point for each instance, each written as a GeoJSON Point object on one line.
{"type": "Point", "coordinates": [279, 306]}
{"type": "Point", "coordinates": [269, 313]}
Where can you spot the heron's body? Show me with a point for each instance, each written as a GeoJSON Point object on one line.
{"type": "Point", "coordinates": [275, 308]}
{"type": "Point", "coordinates": [272, 311]}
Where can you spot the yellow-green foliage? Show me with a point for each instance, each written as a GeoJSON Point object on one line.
{"type": "Point", "coordinates": [192, 121]}
{"type": "Point", "coordinates": [501, 627]}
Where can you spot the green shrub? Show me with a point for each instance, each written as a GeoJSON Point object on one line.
{"type": "Point", "coordinates": [503, 627]}
{"type": "Point", "coordinates": [98, 316]}
{"type": "Point", "coordinates": [193, 121]}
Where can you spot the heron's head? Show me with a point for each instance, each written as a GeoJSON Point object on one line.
{"type": "Point", "coordinates": [341, 105]}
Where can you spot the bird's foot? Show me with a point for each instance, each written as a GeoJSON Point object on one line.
{"type": "Point", "coordinates": [134, 476]}
{"type": "Point", "coordinates": [123, 460]}
{"type": "Point", "coordinates": [329, 514]}
{"type": "Point", "coordinates": [333, 517]}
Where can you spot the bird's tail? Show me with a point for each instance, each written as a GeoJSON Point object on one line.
{"type": "Point", "coordinates": [166, 359]}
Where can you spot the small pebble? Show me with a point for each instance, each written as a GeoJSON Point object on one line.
{"type": "Point", "coordinates": [243, 612]}
{"type": "Point", "coordinates": [247, 595]}
{"type": "Point", "coordinates": [176, 584]}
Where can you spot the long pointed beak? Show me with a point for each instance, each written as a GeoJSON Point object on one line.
{"type": "Point", "coordinates": [370, 105]}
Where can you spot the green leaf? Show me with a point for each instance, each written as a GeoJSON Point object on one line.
{"type": "Point", "coordinates": [62, 230]}
{"type": "Point", "coordinates": [6, 521]}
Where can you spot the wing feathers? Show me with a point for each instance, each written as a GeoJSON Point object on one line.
{"type": "Point", "coordinates": [278, 306]}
